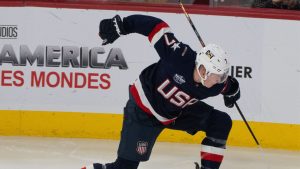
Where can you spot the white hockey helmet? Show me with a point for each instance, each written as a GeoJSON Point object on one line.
{"type": "Point", "coordinates": [215, 61]}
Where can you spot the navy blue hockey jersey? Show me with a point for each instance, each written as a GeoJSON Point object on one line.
{"type": "Point", "coordinates": [167, 87]}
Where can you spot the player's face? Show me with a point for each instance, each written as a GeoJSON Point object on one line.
{"type": "Point", "coordinates": [211, 80]}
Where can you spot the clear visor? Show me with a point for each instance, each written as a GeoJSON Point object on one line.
{"type": "Point", "coordinates": [218, 78]}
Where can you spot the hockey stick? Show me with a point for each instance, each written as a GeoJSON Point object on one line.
{"type": "Point", "coordinates": [192, 24]}
{"type": "Point", "coordinates": [248, 126]}
{"type": "Point", "coordinates": [203, 45]}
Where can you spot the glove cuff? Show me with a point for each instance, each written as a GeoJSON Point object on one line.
{"type": "Point", "coordinates": [231, 87]}
{"type": "Point", "coordinates": [232, 94]}
{"type": "Point", "coordinates": [118, 23]}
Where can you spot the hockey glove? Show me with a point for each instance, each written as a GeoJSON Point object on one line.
{"type": "Point", "coordinates": [111, 29]}
{"type": "Point", "coordinates": [231, 92]}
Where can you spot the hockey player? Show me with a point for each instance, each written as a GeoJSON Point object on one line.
{"type": "Point", "coordinates": [168, 94]}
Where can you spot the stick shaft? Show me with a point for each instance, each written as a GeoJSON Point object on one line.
{"type": "Point", "coordinates": [248, 126]}
{"type": "Point", "coordinates": [192, 24]}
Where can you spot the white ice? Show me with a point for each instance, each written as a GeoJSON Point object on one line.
{"type": "Point", "coordinates": [66, 153]}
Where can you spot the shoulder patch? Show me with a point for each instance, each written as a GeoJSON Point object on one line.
{"type": "Point", "coordinates": [178, 79]}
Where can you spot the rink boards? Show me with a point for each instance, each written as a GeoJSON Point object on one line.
{"type": "Point", "coordinates": [108, 126]}
{"type": "Point", "coordinates": [57, 80]}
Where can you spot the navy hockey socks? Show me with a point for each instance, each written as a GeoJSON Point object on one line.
{"type": "Point", "coordinates": [214, 144]}
{"type": "Point", "coordinates": [212, 153]}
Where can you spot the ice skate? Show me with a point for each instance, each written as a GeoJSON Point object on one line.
{"type": "Point", "coordinates": [197, 165]}
{"type": "Point", "coordinates": [95, 166]}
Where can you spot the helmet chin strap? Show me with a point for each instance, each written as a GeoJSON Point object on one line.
{"type": "Point", "coordinates": [201, 78]}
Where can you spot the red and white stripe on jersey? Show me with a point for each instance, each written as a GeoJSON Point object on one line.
{"type": "Point", "coordinates": [142, 101]}
{"type": "Point", "coordinates": [158, 31]}
{"type": "Point", "coordinates": [211, 153]}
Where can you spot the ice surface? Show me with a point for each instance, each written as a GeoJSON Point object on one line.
{"type": "Point", "coordinates": [66, 153]}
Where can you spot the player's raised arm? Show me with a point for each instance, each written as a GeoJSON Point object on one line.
{"type": "Point", "coordinates": [111, 29]}
{"type": "Point", "coordinates": [158, 32]}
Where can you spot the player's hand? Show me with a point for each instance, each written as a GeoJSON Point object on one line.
{"type": "Point", "coordinates": [111, 29]}
{"type": "Point", "coordinates": [232, 92]}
